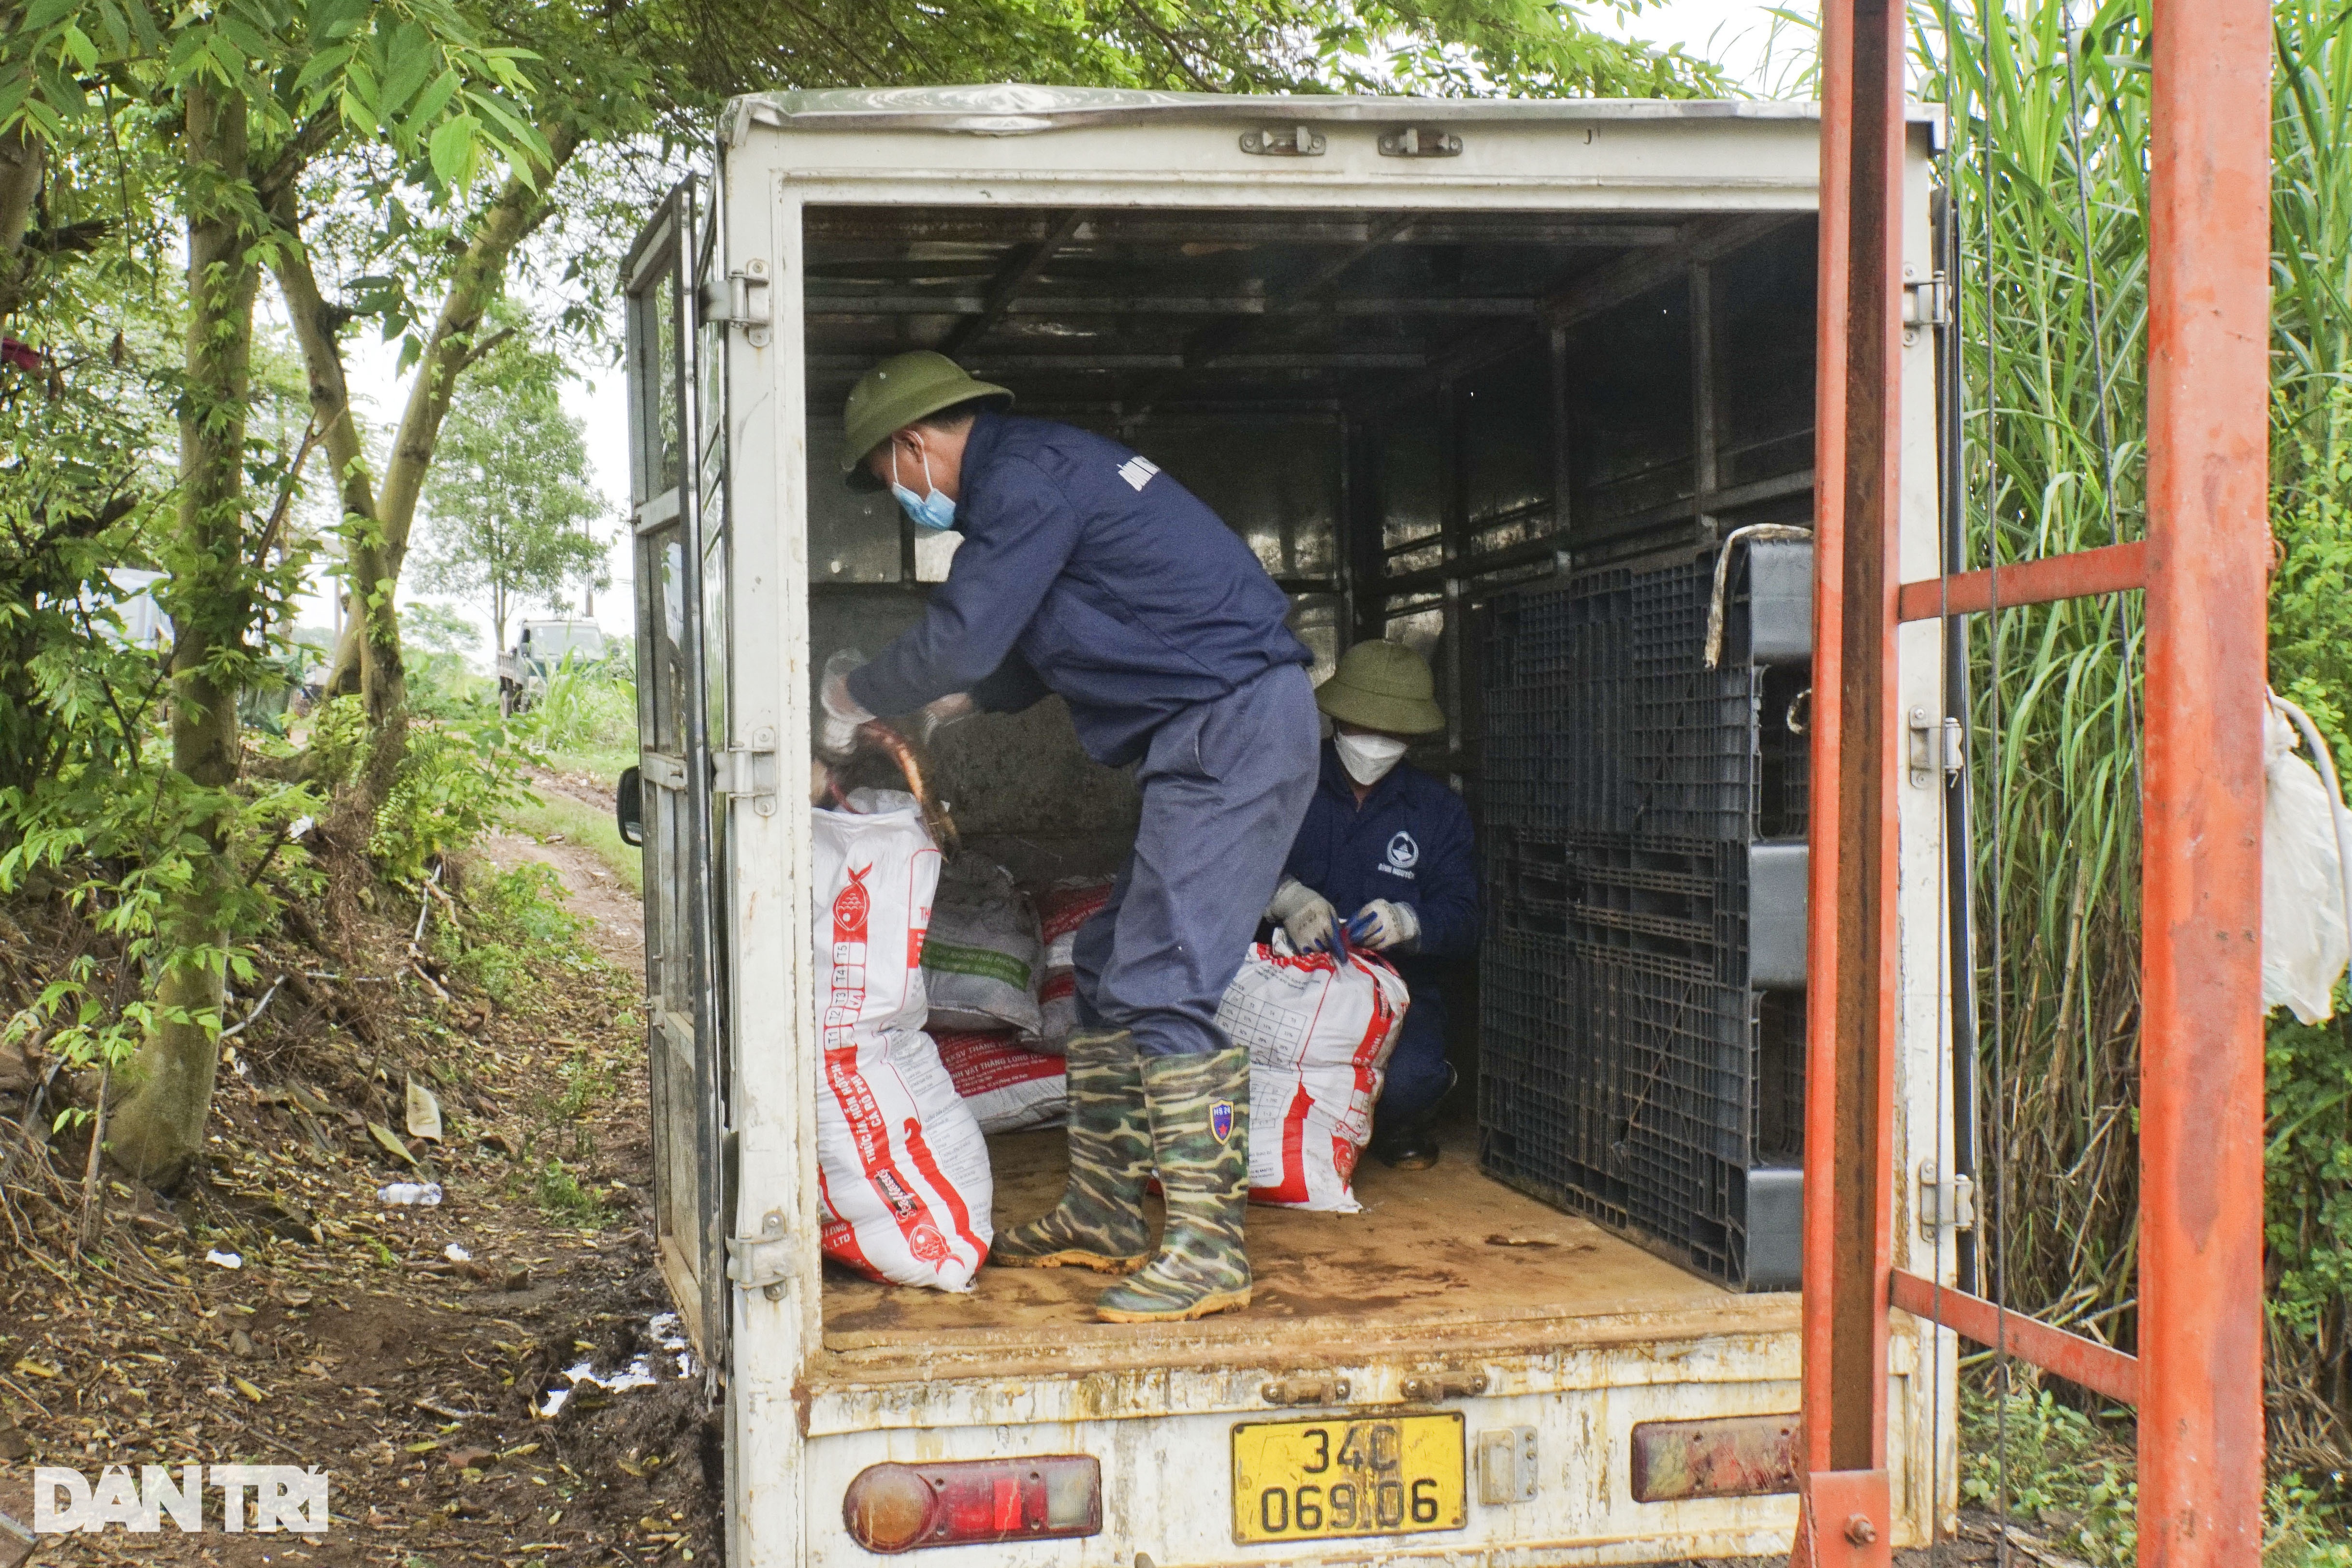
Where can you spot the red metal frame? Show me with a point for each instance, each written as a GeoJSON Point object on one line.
{"type": "Point", "coordinates": [1849, 1033]}
{"type": "Point", "coordinates": [2197, 1379]}
{"type": "Point", "coordinates": [2107, 570]}
{"type": "Point", "coordinates": [2103, 1369]}
{"type": "Point", "coordinates": [2200, 1477]}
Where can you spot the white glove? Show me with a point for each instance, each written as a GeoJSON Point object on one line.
{"type": "Point", "coordinates": [1381, 925]}
{"type": "Point", "coordinates": [1306, 916]}
{"type": "Point", "coordinates": [837, 729]}
{"type": "Point", "coordinates": [955, 706]}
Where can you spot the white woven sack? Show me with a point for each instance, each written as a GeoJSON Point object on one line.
{"type": "Point", "coordinates": [1318, 1030]}
{"type": "Point", "coordinates": [903, 1183]}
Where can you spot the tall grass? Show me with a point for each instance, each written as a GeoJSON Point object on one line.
{"type": "Point", "coordinates": [587, 717]}
{"type": "Point", "coordinates": [2048, 177]}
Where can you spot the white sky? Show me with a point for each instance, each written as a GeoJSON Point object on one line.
{"type": "Point", "coordinates": [1736, 34]}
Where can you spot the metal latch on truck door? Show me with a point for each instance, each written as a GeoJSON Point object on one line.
{"type": "Point", "coordinates": [748, 773]}
{"type": "Point", "coordinates": [762, 1262]}
{"type": "Point", "coordinates": [1945, 1205]}
{"type": "Point", "coordinates": [1284, 142]}
{"type": "Point", "coordinates": [1935, 747]}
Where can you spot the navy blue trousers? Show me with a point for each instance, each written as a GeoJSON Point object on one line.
{"type": "Point", "coordinates": [1225, 785]}
{"type": "Point", "coordinates": [1418, 1075]}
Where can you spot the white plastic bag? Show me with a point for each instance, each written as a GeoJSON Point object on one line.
{"type": "Point", "coordinates": [1318, 1030]}
{"type": "Point", "coordinates": [2304, 944]}
{"type": "Point", "coordinates": [903, 1183]}
{"type": "Point", "coordinates": [1010, 1089]}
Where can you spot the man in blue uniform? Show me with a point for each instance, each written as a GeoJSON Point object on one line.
{"type": "Point", "coordinates": [1086, 572]}
{"type": "Point", "coordinates": [1391, 845]}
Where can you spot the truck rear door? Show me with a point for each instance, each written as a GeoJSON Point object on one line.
{"type": "Point", "coordinates": [685, 1027]}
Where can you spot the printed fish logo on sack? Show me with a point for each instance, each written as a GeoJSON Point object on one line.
{"type": "Point", "coordinates": [1221, 1120]}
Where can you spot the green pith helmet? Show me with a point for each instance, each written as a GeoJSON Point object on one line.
{"type": "Point", "coordinates": [1382, 685]}
{"type": "Point", "coordinates": [893, 395]}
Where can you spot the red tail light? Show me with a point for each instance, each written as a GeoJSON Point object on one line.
{"type": "Point", "coordinates": [898, 1508]}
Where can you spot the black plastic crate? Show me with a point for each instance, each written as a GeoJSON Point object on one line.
{"type": "Point", "coordinates": [1630, 1093]}
{"type": "Point", "coordinates": [1643, 819]}
{"type": "Point", "coordinates": [1601, 716]}
{"type": "Point", "coordinates": [1725, 913]}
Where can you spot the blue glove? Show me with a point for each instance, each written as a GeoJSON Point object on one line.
{"type": "Point", "coordinates": [1382, 926]}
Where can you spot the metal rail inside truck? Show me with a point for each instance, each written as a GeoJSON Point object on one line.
{"type": "Point", "coordinates": [1512, 382]}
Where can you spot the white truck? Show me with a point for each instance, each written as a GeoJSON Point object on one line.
{"type": "Point", "coordinates": [540, 648]}
{"type": "Point", "coordinates": [1424, 355]}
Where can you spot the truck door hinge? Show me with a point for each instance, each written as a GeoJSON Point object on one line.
{"type": "Point", "coordinates": [748, 773]}
{"type": "Point", "coordinates": [1926, 301]}
{"type": "Point", "coordinates": [1944, 1205]}
{"type": "Point", "coordinates": [762, 1262]}
{"type": "Point", "coordinates": [1306, 1391]}
{"type": "Point", "coordinates": [741, 300]}
{"type": "Point", "coordinates": [1419, 141]}
{"type": "Point", "coordinates": [1936, 747]}
{"type": "Point", "coordinates": [1284, 142]}
{"type": "Point", "coordinates": [1431, 1387]}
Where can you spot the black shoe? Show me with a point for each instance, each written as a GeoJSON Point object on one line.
{"type": "Point", "coordinates": [1411, 1148]}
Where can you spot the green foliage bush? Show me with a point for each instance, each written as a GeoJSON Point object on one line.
{"type": "Point", "coordinates": [518, 919]}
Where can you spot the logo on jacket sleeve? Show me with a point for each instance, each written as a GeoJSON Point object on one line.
{"type": "Point", "coordinates": [1403, 853]}
{"type": "Point", "coordinates": [1137, 471]}
{"type": "Point", "coordinates": [1220, 1118]}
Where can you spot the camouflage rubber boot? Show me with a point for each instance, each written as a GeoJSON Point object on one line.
{"type": "Point", "coordinates": [1099, 1222]}
{"type": "Point", "coordinates": [1200, 1131]}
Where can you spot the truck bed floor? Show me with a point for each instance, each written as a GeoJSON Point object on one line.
{"type": "Point", "coordinates": [1437, 1257]}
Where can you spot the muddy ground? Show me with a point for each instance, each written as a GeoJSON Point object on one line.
{"type": "Point", "coordinates": [406, 1351]}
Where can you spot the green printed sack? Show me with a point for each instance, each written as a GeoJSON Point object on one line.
{"type": "Point", "coordinates": [980, 959]}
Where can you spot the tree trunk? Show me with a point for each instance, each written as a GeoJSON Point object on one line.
{"type": "Point", "coordinates": [23, 166]}
{"type": "Point", "coordinates": [159, 1131]}
{"type": "Point", "coordinates": [519, 206]}
{"type": "Point", "coordinates": [374, 626]}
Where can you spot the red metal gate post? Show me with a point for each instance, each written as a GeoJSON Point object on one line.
{"type": "Point", "coordinates": [2200, 1428]}
{"type": "Point", "coordinates": [1849, 1043]}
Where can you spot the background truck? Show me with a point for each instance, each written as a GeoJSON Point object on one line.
{"type": "Point", "coordinates": [1528, 385]}
{"type": "Point", "coordinates": [540, 648]}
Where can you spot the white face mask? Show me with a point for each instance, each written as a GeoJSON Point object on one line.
{"type": "Point", "coordinates": [1368, 758]}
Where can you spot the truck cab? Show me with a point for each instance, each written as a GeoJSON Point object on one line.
{"type": "Point", "coordinates": [1528, 387]}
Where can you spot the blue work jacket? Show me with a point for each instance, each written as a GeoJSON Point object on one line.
{"type": "Point", "coordinates": [1409, 843]}
{"type": "Point", "coordinates": [1086, 572]}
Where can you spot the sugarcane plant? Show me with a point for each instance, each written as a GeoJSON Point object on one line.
{"type": "Point", "coordinates": [2047, 174]}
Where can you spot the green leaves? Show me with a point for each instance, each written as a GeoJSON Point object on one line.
{"type": "Point", "coordinates": [456, 150]}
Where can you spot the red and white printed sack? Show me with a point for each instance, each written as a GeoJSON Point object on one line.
{"type": "Point", "coordinates": [1065, 907]}
{"type": "Point", "coordinates": [1010, 1088]}
{"type": "Point", "coordinates": [903, 1185]}
{"type": "Point", "coordinates": [1318, 1030]}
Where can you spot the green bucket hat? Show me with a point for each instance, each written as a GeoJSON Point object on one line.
{"type": "Point", "coordinates": [1382, 685]}
{"type": "Point", "coordinates": [893, 395]}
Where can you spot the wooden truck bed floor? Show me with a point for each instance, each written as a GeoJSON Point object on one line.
{"type": "Point", "coordinates": [1438, 1258]}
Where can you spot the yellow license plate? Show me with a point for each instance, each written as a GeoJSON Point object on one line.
{"type": "Point", "coordinates": [1313, 1480]}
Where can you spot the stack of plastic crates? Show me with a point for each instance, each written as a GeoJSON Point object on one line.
{"type": "Point", "coordinates": [1643, 1011]}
